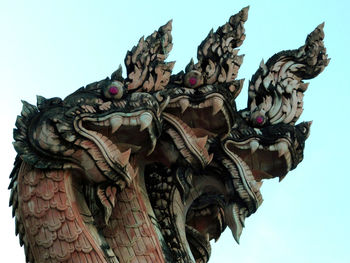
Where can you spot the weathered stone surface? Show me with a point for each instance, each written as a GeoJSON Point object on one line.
{"type": "Point", "coordinates": [152, 167]}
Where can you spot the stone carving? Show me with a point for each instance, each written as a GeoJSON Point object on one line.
{"type": "Point", "coordinates": [151, 167]}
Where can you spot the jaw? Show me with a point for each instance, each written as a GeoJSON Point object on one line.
{"type": "Point", "coordinates": [204, 222]}
{"type": "Point", "coordinates": [264, 161]}
{"type": "Point", "coordinates": [117, 136]}
{"type": "Point", "coordinates": [208, 116]}
{"type": "Point", "coordinates": [200, 205]}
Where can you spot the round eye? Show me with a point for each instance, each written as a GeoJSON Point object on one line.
{"type": "Point", "coordinates": [259, 120]}
{"type": "Point", "coordinates": [115, 90]}
{"type": "Point", "coordinates": [193, 79]}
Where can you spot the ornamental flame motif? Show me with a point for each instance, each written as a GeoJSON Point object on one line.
{"type": "Point", "coordinates": [151, 167]}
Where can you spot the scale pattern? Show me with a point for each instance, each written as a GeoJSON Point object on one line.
{"type": "Point", "coordinates": [49, 218]}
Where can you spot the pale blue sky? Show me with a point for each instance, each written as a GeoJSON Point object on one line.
{"type": "Point", "coordinates": [51, 48]}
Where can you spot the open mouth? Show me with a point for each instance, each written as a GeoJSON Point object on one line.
{"type": "Point", "coordinates": [217, 198]}
{"type": "Point", "coordinates": [208, 117]}
{"type": "Point", "coordinates": [118, 135]}
{"type": "Point", "coordinates": [265, 161]}
{"type": "Point", "coordinates": [204, 222]}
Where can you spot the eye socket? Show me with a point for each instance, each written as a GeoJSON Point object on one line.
{"type": "Point", "coordinates": [193, 79]}
{"type": "Point", "coordinates": [115, 90]}
{"type": "Point", "coordinates": [259, 120]}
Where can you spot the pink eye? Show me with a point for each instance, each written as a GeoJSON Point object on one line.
{"type": "Point", "coordinates": [113, 90]}
{"type": "Point", "coordinates": [259, 119]}
{"type": "Point", "coordinates": [192, 81]}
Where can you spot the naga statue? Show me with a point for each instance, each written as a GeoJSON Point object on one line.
{"type": "Point", "coordinates": [152, 166]}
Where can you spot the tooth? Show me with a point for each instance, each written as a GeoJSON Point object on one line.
{"type": "Point", "coordinates": [207, 236]}
{"type": "Point", "coordinates": [210, 158]}
{"type": "Point", "coordinates": [164, 104]}
{"type": "Point", "coordinates": [184, 103]}
{"type": "Point", "coordinates": [282, 148]}
{"type": "Point", "coordinates": [288, 158]}
{"type": "Point", "coordinates": [126, 121]}
{"type": "Point", "coordinates": [254, 145]}
{"type": "Point", "coordinates": [282, 177]}
{"type": "Point", "coordinates": [259, 184]}
{"type": "Point", "coordinates": [207, 103]}
{"type": "Point", "coordinates": [153, 140]}
{"type": "Point", "coordinates": [243, 213]}
{"type": "Point", "coordinates": [202, 141]}
{"type": "Point", "coordinates": [133, 121]}
{"type": "Point", "coordinates": [233, 221]}
{"type": "Point", "coordinates": [217, 103]}
{"type": "Point", "coordinates": [116, 122]}
{"type": "Point", "coordinates": [145, 120]}
{"type": "Point", "coordinates": [124, 157]}
{"type": "Point", "coordinates": [219, 218]}
{"type": "Point", "coordinates": [272, 148]}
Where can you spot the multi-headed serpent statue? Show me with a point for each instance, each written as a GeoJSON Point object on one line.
{"type": "Point", "coordinates": [151, 167]}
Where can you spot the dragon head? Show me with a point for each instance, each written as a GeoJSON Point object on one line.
{"type": "Point", "coordinates": [236, 150]}
{"type": "Point", "coordinates": [199, 162]}
{"type": "Point", "coordinates": [94, 130]}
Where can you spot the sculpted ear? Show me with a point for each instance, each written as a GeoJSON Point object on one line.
{"type": "Point", "coordinates": [145, 64]}
{"type": "Point", "coordinates": [276, 90]}
{"type": "Point", "coordinates": [37, 141]}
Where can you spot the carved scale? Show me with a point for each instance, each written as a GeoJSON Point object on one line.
{"type": "Point", "coordinates": [151, 167]}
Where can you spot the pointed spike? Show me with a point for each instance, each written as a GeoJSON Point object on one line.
{"type": "Point", "coordinates": [164, 104]}
{"type": "Point", "coordinates": [124, 157]}
{"type": "Point", "coordinates": [202, 141]}
{"type": "Point", "coordinates": [233, 221]}
{"type": "Point", "coordinates": [116, 122]}
{"type": "Point", "coordinates": [184, 103]}
{"type": "Point", "coordinates": [281, 178]}
{"type": "Point", "coordinates": [145, 120]}
{"type": "Point", "coordinates": [40, 100]}
{"type": "Point", "coordinates": [211, 156]}
{"type": "Point", "coordinates": [245, 13]}
{"type": "Point", "coordinates": [259, 184]}
{"type": "Point", "coordinates": [111, 194]}
{"type": "Point", "coordinates": [168, 25]}
{"type": "Point", "coordinates": [242, 215]}
{"type": "Point", "coordinates": [189, 66]}
{"type": "Point", "coordinates": [141, 40]}
{"type": "Point", "coordinates": [154, 142]}
{"type": "Point", "coordinates": [303, 86]}
{"type": "Point", "coordinates": [117, 75]}
{"type": "Point", "coordinates": [254, 145]}
{"type": "Point", "coordinates": [263, 67]}
{"type": "Point", "coordinates": [28, 109]}
{"type": "Point", "coordinates": [321, 26]}
{"type": "Point", "coordinates": [217, 104]}
{"type": "Point", "coordinates": [282, 148]}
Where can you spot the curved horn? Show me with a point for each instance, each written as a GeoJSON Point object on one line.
{"type": "Point", "coordinates": [218, 61]}
{"type": "Point", "coordinates": [145, 64]}
{"type": "Point", "coordinates": [276, 89]}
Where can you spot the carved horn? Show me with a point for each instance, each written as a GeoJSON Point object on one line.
{"type": "Point", "coordinates": [145, 64]}
{"type": "Point", "coordinates": [276, 89]}
{"type": "Point", "coordinates": [218, 59]}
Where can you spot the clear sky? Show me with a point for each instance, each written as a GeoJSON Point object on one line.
{"type": "Point", "coordinates": [51, 48]}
